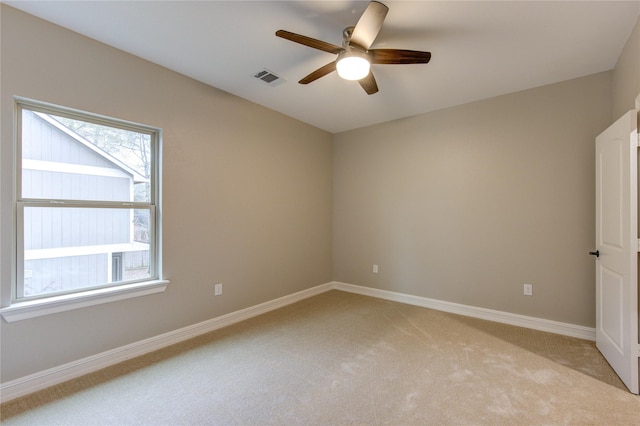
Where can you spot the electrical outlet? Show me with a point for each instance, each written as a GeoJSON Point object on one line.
{"type": "Point", "coordinates": [375, 269]}
{"type": "Point", "coordinates": [217, 289]}
{"type": "Point", "coordinates": [528, 289]}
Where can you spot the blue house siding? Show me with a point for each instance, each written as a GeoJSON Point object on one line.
{"type": "Point", "coordinates": [42, 141]}
{"type": "Point", "coordinates": [75, 227]}
{"type": "Point", "coordinates": [65, 273]}
{"type": "Point", "coordinates": [72, 186]}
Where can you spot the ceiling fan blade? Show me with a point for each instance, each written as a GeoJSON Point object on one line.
{"type": "Point", "coordinates": [308, 41]}
{"type": "Point", "coordinates": [369, 24]}
{"type": "Point", "coordinates": [398, 56]}
{"type": "Point", "coordinates": [369, 84]}
{"type": "Point", "coordinates": [320, 72]}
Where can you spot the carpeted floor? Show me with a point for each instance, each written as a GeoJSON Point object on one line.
{"type": "Point", "coordinates": [340, 358]}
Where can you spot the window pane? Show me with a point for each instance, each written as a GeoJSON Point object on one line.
{"type": "Point", "coordinates": [63, 158]}
{"type": "Point", "coordinates": [70, 248]}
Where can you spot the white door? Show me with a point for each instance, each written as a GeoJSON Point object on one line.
{"type": "Point", "coordinates": [617, 246]}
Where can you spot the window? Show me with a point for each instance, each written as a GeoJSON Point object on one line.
{"type": "Point", "coordinates": [86, 203]}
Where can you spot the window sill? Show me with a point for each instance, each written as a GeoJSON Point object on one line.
{"type": "Point", "coordinates": [36, 308]}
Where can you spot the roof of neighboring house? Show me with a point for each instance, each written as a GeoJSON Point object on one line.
{"type": "Point", "coordinates": [137, 177]}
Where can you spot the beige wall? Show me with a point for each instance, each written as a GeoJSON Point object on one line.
{"type": "Point", "coordinates": [469, 203]}
{"type": "Point", "coordinates": [247, 193]}
{"type": "Point", "coordinates": [626, 75]}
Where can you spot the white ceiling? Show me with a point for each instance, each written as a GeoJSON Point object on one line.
{"type": "Point", "coordinates": [480, 49]}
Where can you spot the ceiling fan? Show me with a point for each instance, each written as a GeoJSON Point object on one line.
{"type": "Point", "coordinates": [355, 56]}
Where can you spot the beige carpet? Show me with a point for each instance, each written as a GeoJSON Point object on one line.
{"type": "Point", "coordinates": [340, 358]}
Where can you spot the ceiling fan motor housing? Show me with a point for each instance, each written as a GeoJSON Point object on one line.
{"type": "Point", "coordinates": [346, 34]}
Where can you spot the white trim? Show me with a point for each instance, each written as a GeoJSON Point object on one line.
{"type": "Point", "coordinates": [565, 329]}
{"type": "Point", "coordinates": [67, 302]}
{"type": "Point", "coordinates": [43, 379]}
{"type": "Point", "coordinates": [37, 381]}
{"type": "Point", "coordinates": [80, 169]}
{"type": "Point", "coordinates": [83, 250]}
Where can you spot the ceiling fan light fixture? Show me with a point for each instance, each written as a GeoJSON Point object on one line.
{"type": "Point", "coordinates": [353, 65]}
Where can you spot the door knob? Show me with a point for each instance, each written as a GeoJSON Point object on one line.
{"type": "Point", "coordinates": [595, 253]}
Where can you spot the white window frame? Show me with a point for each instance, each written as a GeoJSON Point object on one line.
{"type": "Point", "coordinates": [29, 307]}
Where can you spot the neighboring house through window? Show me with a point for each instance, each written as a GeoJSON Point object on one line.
{"type": "Point", "coordinates": [87, 202]}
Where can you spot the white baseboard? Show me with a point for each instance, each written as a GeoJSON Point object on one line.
{"type": "Point", "coordinates": [556, 327]}
{"type": "Point", "coordinates": [53, 376]}
{"type": "Point", "coordinates": [41, 380]}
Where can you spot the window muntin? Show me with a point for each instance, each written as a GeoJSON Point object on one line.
{"type": "Point", "coordinates": [86, 202]}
